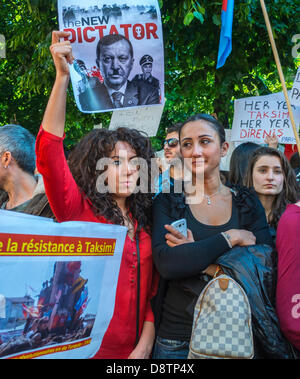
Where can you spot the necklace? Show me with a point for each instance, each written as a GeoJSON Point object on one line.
{"type": "Point", "coordinates": [208, 197]}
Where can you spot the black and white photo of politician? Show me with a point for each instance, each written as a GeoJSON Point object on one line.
{"type": "Point", "coordinates": [146, 63]}
{"type": "Point", "coordinates": [115, 60]}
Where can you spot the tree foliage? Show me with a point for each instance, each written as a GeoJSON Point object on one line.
{"type": "Point", "coordinates": [191, 38]}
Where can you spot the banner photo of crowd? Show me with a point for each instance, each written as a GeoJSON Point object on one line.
{"type": "Point", "coordinates": [60, 306]}
{"type": "Point", "coordinates": [118, 50]}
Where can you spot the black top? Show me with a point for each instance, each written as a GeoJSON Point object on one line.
{"type": "Point", "coordinates": [182, 265]}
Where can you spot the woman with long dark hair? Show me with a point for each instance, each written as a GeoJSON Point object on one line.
{"type": "Point", "coordinates": [239, 162]}
{"type": "Point", "coordinates": [271, 175]}
{"type": "Point", "coordinates": [76, 193]}
{"type": "Point", "coordinates": [218, 218]}
{"type": "Point", "coordinates": [83, 162]}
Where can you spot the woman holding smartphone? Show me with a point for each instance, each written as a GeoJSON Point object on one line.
{"type": "Point", "coordinates": [73, 196]}
{"type": "Point", "coordinates": [218, 220]}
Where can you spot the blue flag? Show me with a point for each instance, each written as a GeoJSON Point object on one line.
{"type": "Point", "coordinates": [225, 45]}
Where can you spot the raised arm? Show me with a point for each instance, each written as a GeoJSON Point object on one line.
{"type": "Point", "coordinates": [55, 114]}
{"type": "Point", "coordinates": [65, 198]}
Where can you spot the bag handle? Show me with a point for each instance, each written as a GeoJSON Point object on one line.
{"type": "Point", "coordinates": [219, 271]}
{"type": "Point", "coordinates": [223, 283]}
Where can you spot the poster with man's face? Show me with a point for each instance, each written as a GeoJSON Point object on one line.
{"type": "Point", "coordinates": [118, 50]}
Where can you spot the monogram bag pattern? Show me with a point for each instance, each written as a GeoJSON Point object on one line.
{"type": "Point", "coordinates": [222, 322]}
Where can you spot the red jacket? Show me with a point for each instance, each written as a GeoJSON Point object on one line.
{"type": "Point", "coordinates": [68, 204]}
{"type": "Point", "coordinates": [288, 282]}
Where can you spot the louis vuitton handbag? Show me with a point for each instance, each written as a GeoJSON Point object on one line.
{"type": "Point", "coordinates": [222, 322]}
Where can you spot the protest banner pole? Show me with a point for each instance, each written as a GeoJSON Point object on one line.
{"type": "Point", "coordinates": [280, 72]}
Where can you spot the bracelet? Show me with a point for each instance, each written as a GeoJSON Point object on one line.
{"type": "Point", "coordinates": [227, 238]}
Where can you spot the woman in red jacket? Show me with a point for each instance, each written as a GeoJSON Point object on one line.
{"type": "Point", "coordinates": [83, 191]}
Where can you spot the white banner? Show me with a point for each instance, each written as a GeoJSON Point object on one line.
{"type": "Point", "coordinates": [256, 118]}
{"type": "Point", "coordinates": [118, 50]}
{"type": "Point", "coordinates": [57, 286]}
{"type": "Point", "coordinates": [144, 119]}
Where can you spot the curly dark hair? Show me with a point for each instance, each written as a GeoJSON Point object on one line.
{"type": "Point", "coordinates": [290, 192]}
{"type": "Point", "coordinates": [100, 143]}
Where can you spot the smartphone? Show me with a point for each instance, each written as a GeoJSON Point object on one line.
{"type": "Point", "coordinates": [181, 226]}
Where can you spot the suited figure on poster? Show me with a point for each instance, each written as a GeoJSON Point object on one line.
{"type": "Point", "coordinates": [146, 63]}
{"type": "Point", "coordinates": [86, 81]}
{"type": "Point", "coordinates": [115, 61]}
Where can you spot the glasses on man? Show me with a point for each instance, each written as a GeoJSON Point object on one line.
{"type": "Point", "coordinates": [172, 142]}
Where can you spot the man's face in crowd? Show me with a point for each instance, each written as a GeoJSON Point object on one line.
{"type": "Point", "coordinates": [147, 69]}
{"type": "Point", "coordinates": [169, 151]}
{"type": "Point", "coordinates": [115, 64]}
{"type": "Point", "coordinates": [5, 160]}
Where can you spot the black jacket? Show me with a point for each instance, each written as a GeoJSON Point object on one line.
{"type": "Point", "coordinates": [254, 268]}
{"type": "Point", "coordinates": [38, 205]}
{"type": "Point", "coordinates": [187, 261]}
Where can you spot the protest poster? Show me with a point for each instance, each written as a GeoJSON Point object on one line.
{"type": "Point", "coordinates": [57, 286]}
{"type": "Point", "coordinates": [144, 119]}
{"type": "Point", "coordinates": [257, 117]}
{"type": "Point", "coordinates": [295, 92]}
{"type": "Point", "coordinates": [118, 50]}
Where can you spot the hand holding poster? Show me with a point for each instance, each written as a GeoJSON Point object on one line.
{"type": "Point", "coordinates": [256, 118]}
{"type": "Point", "coordinates": [57, 285]}
{"type": "Point", "coordinates": [118, 50]}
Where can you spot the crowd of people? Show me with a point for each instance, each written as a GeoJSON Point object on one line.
{"type": "Point", "coordinates": [257, 202]}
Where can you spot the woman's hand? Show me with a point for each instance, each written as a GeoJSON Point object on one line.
{"type": "Point", "coordinates": [174, 238]}
{"type": "Point", "coordinates": [61, 53]}
{"type": "Point", "coordinates": [140, 352]}
{"type": "Point", "coordinates": [241, 237]}
{"type": "Point", "coordinates": [144, 347]}
{"type": "Point", "coordinates": [272, 141]}
{"type": "Point", "coordinates": [211, 270]}
{"type": "Point", "coordinates": [55, 114]}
